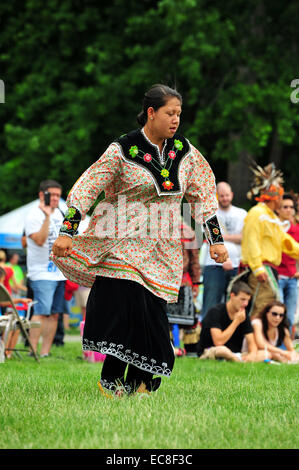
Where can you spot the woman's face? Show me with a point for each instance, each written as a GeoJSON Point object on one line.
{"type": "Point", "coordinates": [165, 121]}
{"type": "Point", "coordinates": [286, 210]}
{"type": "Point", "coordinates": [275, 316]}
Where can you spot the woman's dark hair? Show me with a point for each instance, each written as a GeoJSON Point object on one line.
{"type": "Point", "coordinates": [281, 327]}
{"type": "Point", "coordinates": [156, 97]}
{"type": "Point", "coordinates": [288, 196]}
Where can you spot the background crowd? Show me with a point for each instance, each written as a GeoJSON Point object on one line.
{"type": "Point", "coordinates": [249, 309]}
{"type": "Point", "coordinates": [219, 312]}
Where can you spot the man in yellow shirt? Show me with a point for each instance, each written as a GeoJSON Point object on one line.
{"type": "Point", "coordinates": [265, 238]}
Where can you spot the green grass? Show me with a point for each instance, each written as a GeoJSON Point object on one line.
{"type": "Point", "coordinates": [203, 405]}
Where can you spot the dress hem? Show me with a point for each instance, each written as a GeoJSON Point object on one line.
{"type": "Point", "coordinates": [128, 356]}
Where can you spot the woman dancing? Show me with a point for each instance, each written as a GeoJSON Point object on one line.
{"type": "Point", "coordinates": [132, 263]}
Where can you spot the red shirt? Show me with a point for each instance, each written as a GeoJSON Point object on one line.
{"type": "Point", "coordinates": [288, 264]}
{"type": "Point", "coordinates": [70, 288]}
{"type": "Point", "coordinates": [9, 274]}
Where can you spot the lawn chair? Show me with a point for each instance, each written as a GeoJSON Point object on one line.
{"type": "Point", "coordinates": [12, 321]}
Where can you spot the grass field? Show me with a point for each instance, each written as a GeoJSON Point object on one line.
{"type": "Point", "coordinates": [203, 405]}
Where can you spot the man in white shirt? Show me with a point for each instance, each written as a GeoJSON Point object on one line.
{"type": "Point", "coordinates": [216, 276]}
{"type": "Point", "coordinates": [46, 281]}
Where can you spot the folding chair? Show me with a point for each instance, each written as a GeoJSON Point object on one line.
{"type": "Point", "coordinates": [13, 321]}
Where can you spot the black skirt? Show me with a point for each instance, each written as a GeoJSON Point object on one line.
{"type": "Point", "coordinates": [127, 321]}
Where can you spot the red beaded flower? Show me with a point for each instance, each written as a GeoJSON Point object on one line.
{"type": "Point", "coordinates": [147, 157]}
{"type": "Point", "coordinates": [167, 185]}
{"type": "Point", "coordinates": [67, 225]}
{"type": "Point", "coordinates": [172, 154]}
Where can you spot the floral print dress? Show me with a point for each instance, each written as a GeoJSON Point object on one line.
{"type": "Point", "coordinates": [137, 179]}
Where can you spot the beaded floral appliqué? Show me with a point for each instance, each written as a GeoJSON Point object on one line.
{"type": "Point", "coordinates": [212, 231]}
{"type": "Point", "coordinates": [71, 222]}
{"type": "Point", "coordinates": [163, 169]}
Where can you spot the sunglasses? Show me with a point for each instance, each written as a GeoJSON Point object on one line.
{"type": "Point", "coordinates": [276, 314]}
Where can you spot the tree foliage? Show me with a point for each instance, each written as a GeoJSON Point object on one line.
{"type": "Point", "coordinates": [75, 73]}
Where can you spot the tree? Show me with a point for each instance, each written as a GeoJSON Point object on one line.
{"type": "Point", "coordinates": [75, 74]}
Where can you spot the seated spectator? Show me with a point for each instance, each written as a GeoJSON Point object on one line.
{"type": "Point", "coordinates": [13, 263]}
{"type": "Point", "coordinates": [13, 335]}
{"type": "Point", "coordinates": [225, 327]}
{"type": "Point", "coordinates": [10, 281]}
{"type": "Point", "coordinates": [271, 331]}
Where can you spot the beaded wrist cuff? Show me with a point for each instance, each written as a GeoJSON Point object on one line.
{"type": "Point", "coordinates": [71, 222]}
{"type": "Point", "coordinates": [213, 231]}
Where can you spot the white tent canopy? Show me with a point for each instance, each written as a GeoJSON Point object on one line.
{"type": "Point", "coordinates": [12, 224]}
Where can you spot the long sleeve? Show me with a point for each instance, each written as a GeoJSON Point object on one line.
{"type": "Point", "coordinates": [94, 180]}
{"type": "Point", "coordinates": [252, 244]}
{"type": "Point", "coordinates": [201, 194]}
{"type": "Point", "coordinates": [87, 188]}
{"type": "Point", "coordinates": [201, 189]}
{"type": "Point", "coordinates": [290, 246]}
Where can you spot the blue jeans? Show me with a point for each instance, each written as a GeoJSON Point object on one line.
{"type": "Point", "coordinates": [288, 293]}
{"type": "Point", "coordinates": [215, 283]}
{"type": "Point", "coordinates": [49, 296]}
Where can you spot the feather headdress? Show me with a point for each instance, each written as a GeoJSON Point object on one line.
{"type": "Point", "coordinates": [267, 182]}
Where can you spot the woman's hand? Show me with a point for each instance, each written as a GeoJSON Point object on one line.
{"type": "Point", "coordinates": [286, 354]}
{"type": "Point", "coordinates": [62, 246]}
{"type": "Point", "coordinates": [262, 277]}
{"type": "Point", "coordinates": [218, 253]}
